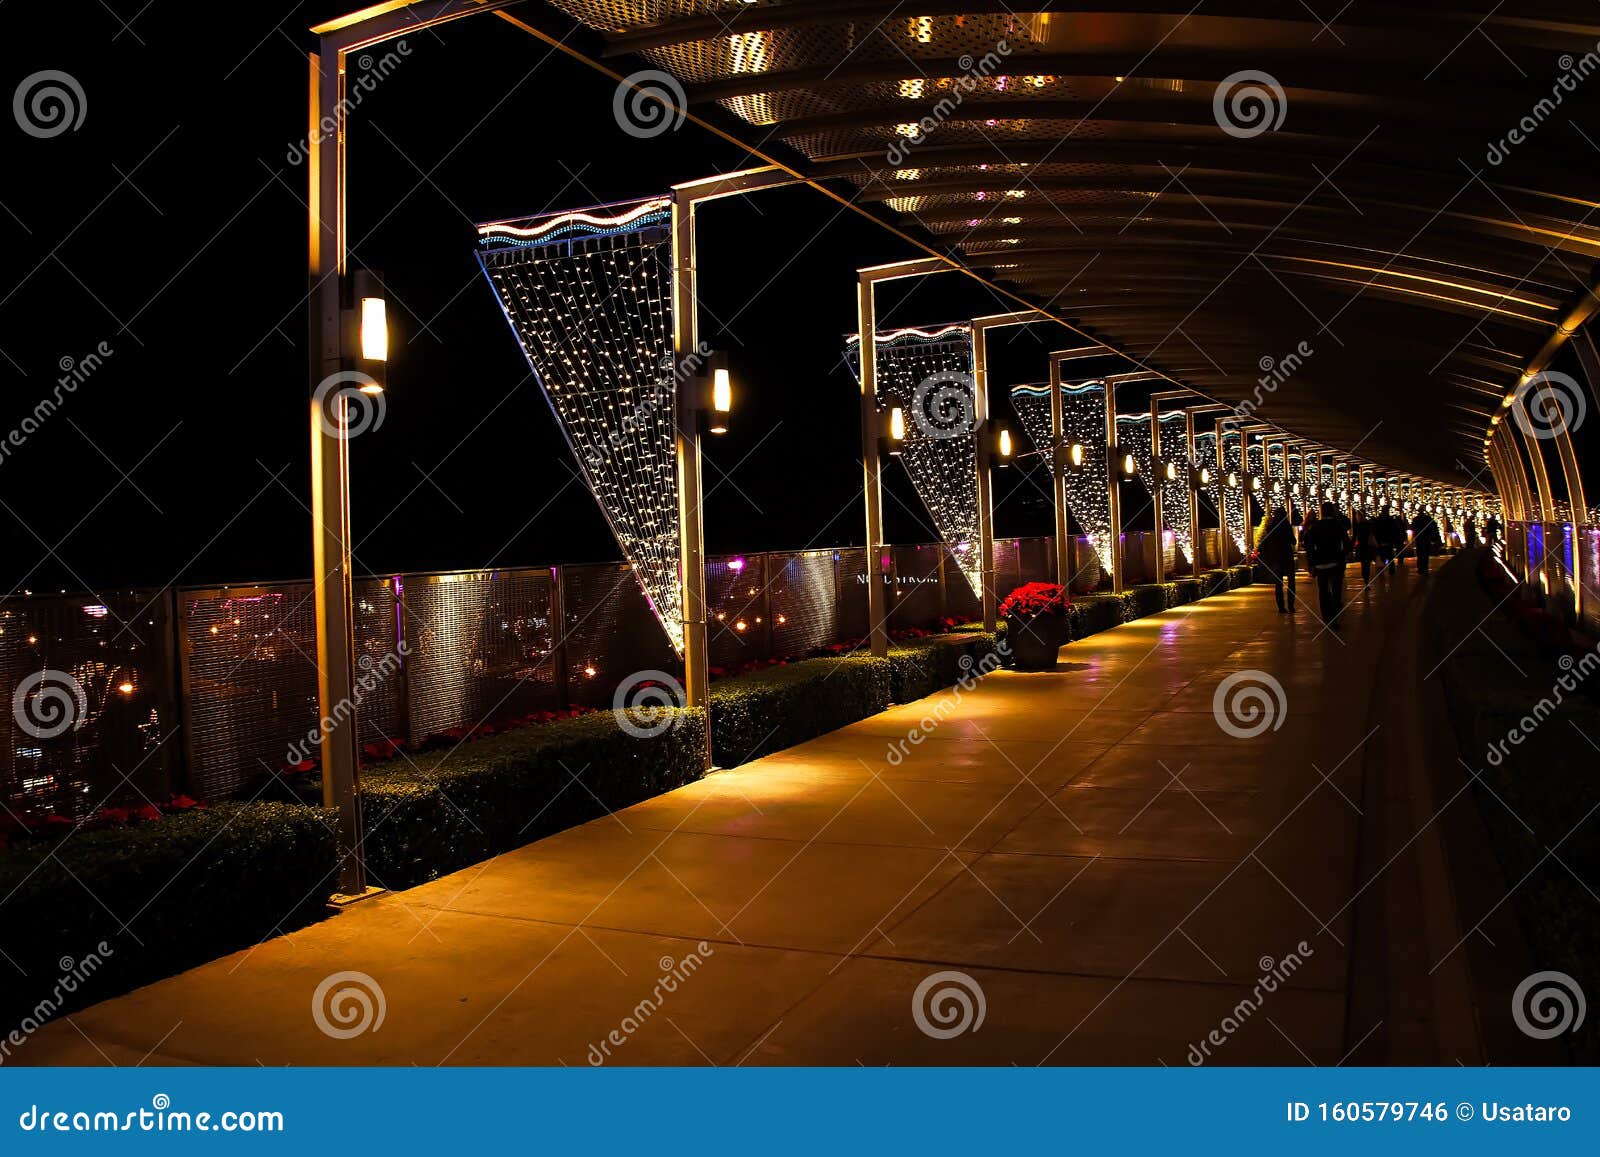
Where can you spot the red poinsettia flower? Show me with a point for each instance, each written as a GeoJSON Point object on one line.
{"type": "Point", "coordinates": [1033, 599]}
{"type": "Point", "coordinates": [145, 813]}
{"type": "Point", "coordinates": [182, 803]}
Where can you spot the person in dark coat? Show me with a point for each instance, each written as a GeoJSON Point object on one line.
{"type": "Point", "coordinates": [1390, 534]}
{"type": "Point", "coordinates": [1327, 543]}
{"type": "Point", "coordinates": [1469, 533]}
{"type": "Point", "coordinates": [1427, 540]}
{"type": "Point", "coordinates": [1276, 549]}
{"type": "Point", "coordinates": [1362, 536]}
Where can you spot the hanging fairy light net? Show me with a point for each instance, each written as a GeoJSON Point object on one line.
{"type": "Point", "coordinates": [589, 297]}
{"type": "Point", "coordinates": [1174, 436]}
{"type": "Point", "coordinates": [1233, 496]}
{"type": "Point", "coordinates": [1255, 455]}
{"type": "Point", "coordinates": [928, 374]}
{"type": "Point", "coordinates": [1083, 423]}
{"type": "Point", "coordinates": [1205, 454]}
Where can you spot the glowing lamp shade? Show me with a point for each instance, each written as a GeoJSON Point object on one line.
{"type": "Point", "coordinates": [1233, 480]}
{"type": "Point", "coordinates": [1129, 466]}
{"type": "Point", "coordinates": [1002, 446]}
{"type": "Point", "coordinates": [1171, 472]}
{"type": "Point", "coordinates": [721, 391]}
{"type": "Point", "coordinates": [374, 330]}
{"type": "Point", "coordinates": [1205, 476]}
{"type": "Point", "coordinates": [897, 429]}
{"type": "Point", "coordinates": [1255, 482]}
{"type": "Point", "coordinates": [1075, 455]}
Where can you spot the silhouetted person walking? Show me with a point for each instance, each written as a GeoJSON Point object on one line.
{"type": "Point", "coordinates": [1275, 550]}
{"type": "Point", "coordinates": [1361, 535]}
{"type": "Point", "coordinates": [1327, 543]}
{"type": "Point", "coordinates": [1425, 537]}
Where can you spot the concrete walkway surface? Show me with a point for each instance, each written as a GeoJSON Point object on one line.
{"type": "Point", "coordinates": [1081, 867]}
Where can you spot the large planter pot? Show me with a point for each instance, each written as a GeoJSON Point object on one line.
{"type": "Point", "coordinates": [1035, 641]}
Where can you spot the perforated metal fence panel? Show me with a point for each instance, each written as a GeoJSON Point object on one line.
{"type": "Point", "coordinates": [915, 596]}
{"type": "Point", "coordinates": [89, 717]}
{"type": "Point", "coordinates": [850, 578]}
{"type": "Point", "coordinates": [250, 678]}
{"type": "Point", "coordinates": [481, 648]}
{"type": "Point", "coordinates": [960, 600]}
{"type": "Point", "coordinates": [1007, 566]}
{"type": "Point", "coordinates": [610, 631]}
{"type": "Point", "coordinates": [1035, 560]}
{"type": "Point", "coordinates": [805, 612]}
{"type": "Point", "coordinates": [737, 621]}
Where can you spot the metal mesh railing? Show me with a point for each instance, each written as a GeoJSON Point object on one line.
{"type": "Point", "coordinates": [442, 654]}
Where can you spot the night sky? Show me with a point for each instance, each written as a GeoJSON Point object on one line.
{"type": "Point", "coordinates": [170, 226]}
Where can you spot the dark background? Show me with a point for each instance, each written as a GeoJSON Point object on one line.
{"type": "Point", "coordinates": [171, 225]}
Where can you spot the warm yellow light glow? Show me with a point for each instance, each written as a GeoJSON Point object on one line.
{"type": "Point", "coordinates": [1005, 442]}
{"type": "Point", "coordinates": [1076, 454]}
{"type": "Point", "coordinates": [912, 89]}
{"type": "Point", "coordinates": [1205, 476]}
{"type": "Point", "coordinates": [374, 330]}
{"type": "Point", "coordinates": [1233, 479]}
{"type": "Point", "coordinates": [721, 391]}
{"type": "Point", "coordinates": [1129, 466]}
{"type": "Point", "coordinates": [1255, 483]}
{"type": "Point", "coordinates": [897, 424]}
{"type": "Point", "coordinates": [125, 688]}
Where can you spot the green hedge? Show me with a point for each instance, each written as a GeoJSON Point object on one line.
{"type": "Point", "coordinates": [190, 887]}
{"type": "Point", "coordinates": [1545, 782]}
{"type": "Point", "coordinates": [1241, 576]}
{"type": "Point", "coordinates": [1213, 582]}
{"type": "Point", "coordinates": [1186, 590]}
{"type": "Point", "coordinates": [441, 811]}
{"type": "Point", "coordinates": [765, 711]}
{"type": "Point", "coordinates": [1091, 614]}
{"type": "Point", "coordinates": [923, 667]}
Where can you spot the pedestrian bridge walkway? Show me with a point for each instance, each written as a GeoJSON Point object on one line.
{"type": "Point", "coordinates": [1093, 866]}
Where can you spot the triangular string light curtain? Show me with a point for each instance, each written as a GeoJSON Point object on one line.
{"type": "Point", "coordinates": [1174, 436]}
{"type": "Point", "coordinates": [589, 296]}
{"type": "Point", "coordinates": [1233, 496]}
{"type": "Point", "coordinates": [1205, 454]}
{"type": "Point", "coordinates": [1083, 423]}
{"type": "Point", "coordinates": [928, 374]}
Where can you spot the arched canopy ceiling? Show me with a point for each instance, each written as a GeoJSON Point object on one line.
{"type": "Point", "coordinates": [1390, 231]}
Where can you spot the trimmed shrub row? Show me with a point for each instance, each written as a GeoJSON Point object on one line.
{"type": "Point", "coordinates": [441, 811]}
{"type": "Point", "coordinates": [766, 711]}
{"type": "Point", "coordinates": [190, 887]}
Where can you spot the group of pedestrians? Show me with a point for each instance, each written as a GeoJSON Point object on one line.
{"type": "Point", "coordinates": [1328, 539]}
